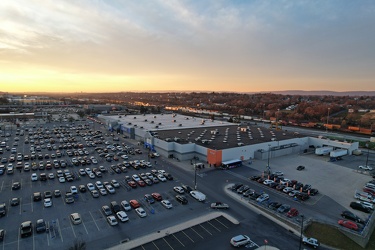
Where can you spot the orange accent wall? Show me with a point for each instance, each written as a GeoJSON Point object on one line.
{"type": "Point", "coordinates": [214, 157]}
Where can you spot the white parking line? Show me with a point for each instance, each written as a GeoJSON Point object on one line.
{"type": "Point", "coordinates": [94, 221]}
{"type": "Point", "coordinates": [154, 245]}
{"type": "Point", "coordinates": [20, 205]}
{"type": "Point", "coordinates": [197, 233]}
{"type": "Point", "coordinates": [33, 241]}
{"type": "Point", "coordinates": [71, 225]}
{"type": "Point", "coordinates": [213, 226]}
{"type": "Point", "coordinates": [85, 227]}
{"type": "Point", "coordinates": [178, 240]}
{"type": "Point", "coordinates": [221, 223]}
{"type": "Point", "coordinates": [60, 232]}
{"type": "Point", "coordinates": [2, 185]}
{"type": "Point", "coordinates": [168, 243]}
{"type": "Point", "coordinates": [187, 235]}
{"type": "Point", "coordinates": [205, 229]}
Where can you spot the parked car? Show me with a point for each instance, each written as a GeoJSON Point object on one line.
{"type": "Point", "coordinates": [349, 215]}
{"type": "Point", "coordinates": [125, 205]}
{"type": "Point", "coordinates": [293, 212]}
{"type": "Point", "coordinates": [179, 189]}
{"type": "Point", "coordinates": [219, 205]}
{"type": "Point", "coordinates": [283, 208]}
{"type": "Point", "coordinates": [274, 205]}
{"type": "Point", "coordinates": [134, 203]}
{"type": "Point", "coordinates": [360, 207]}
{"type": "Point", "coordinates": [299, 168]}
{"type": "Point", "coordinates": [106, 210]}
{"type": "Point", "coordinates": [75, 218]}
{"type": "Point", "coordinates": [122, 216]}
{"type": "Point", "coordinates": [199, 196]}
{"type": "Point", "coordinates": [26, 229]}
{"type": "Point", "coordinates": [167, 204]}
{"type": "Point", "coordinates": [112, 220]}
{"type": "Point", "coordinates": [141, 212]}
{"type": "Point", "coordinates": [348, 224]}
{"type": "Point", "coordinates": [157, 196]}
{"type": "Point", "coordinates": [263, 197]}
{"type": "Point", "coordinates": [240, 240]}
{"type": "Point", "coordinates": [181, 199]}
{"type": "Point", "coordinates": [149, 198]}
{"type": "Point", "coordinates": [40, 226]}
{"type": "Point", "coordinates": [15, 201]}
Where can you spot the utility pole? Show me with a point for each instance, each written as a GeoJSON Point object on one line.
{"type": "Point", "coordinates": [327, 120]}
{"type": "Point", "coordinates": [368, 152]}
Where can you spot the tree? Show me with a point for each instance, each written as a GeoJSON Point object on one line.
{"type": "Point", "coordinates": [78, 245]}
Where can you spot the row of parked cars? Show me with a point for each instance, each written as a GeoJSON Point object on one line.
{"type": "Point", "coordinates": [263, 198]}
{"type": "Point", "coordinates": [293, 188]}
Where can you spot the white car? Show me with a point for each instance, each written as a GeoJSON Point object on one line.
{"type": "Point", "coordinates": [102, 191]}
{"type": "Point", "coordinates": [115, 183]}
{"type": "Point", "coordinates": [91, 175]}
{"type": "Point", "coordinates": [161, 171]}
{"type": "Point", "coordinates": [51, 176]}
{"type": "Point", "coordinates": [263, 197]}
{"type": "Point", "coordinates": [288, 190]}
{"type": "Point", "coordinates": [162, 178]}
{"type": "Point", "coordinates": [366, 204]}
{"type": "Point", "coordinates": [167, 204]}
{"type": "Point", "coordinates": [81, 171]}
{"type": "Point", "coordinates": [122, 216]}
{"type": "Point", "coordinates": [178, 189]}
{"type": "Point", "coordinates": [125, 157]}
{"type": "Point", "coordinates": [125, 205]}
{"type": "Point", "coordinates": [61, 179]}
{"type": "Point", "coordinates": [311, 242]}
{"type": "Point", "coordinates": [136, 178]}
{"type": "Point", "coordinates": [240, 240]}
{"type": "Point", "coordinates": [198, 195]}
{"type": "Point", "coordinates": [284, 181]}
{"type": "Point", "coordinates": [219, 205]}
{"type": "Point", "coordinates": [34, 177]}
{"type": "Point", "coordinates": [47, 202]}
{"type": "Point", "coordinates": [366, 168]}
{"type": "Point", "coordinates": [90, 186]}
{"type": "Point", "coordinates": [73, 190]}
{"type": "Point", "coordinates": [268, 182]}
{"type": "Point", "coordinates": [99, 184]}
{"type": "Point", "coordinates": [110, 189]}
{"type": "Point", "coordinates": [141, 212]}
{"type": "Point", "coordinates": [112, 220]}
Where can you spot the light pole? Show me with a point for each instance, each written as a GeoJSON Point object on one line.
{"type": "Point", "coordinates": [300, 238]}
{"type": "Point", "coordinates": [368, 152]}
{"type": "Point", "coordinates": [327, 120]}
{"type": "Point", "coordinates": [268, 159]}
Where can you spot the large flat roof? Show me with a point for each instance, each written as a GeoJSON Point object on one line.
{"type": "Point", "coordinates": [214, 134]}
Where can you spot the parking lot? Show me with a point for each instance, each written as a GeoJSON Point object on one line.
{"type": "Point", "coordinates": [61, 232]}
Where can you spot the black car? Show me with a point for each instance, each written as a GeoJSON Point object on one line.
{"type": "Point", "coordinates": [16, 185]}
{"type": "Point", "coordinates": [242, 189]}
{"type": "Point", "coordinates": [40, 226]}
{"type": "Point", "coordinates": [236, 186]}
{"type": "Point", "coordinates": [15, 202]}
{"type": "Point", "coordinates": [303, 196]}
{"type": "Point", "coordinates": [248, 192]}
{"type": "Point", "coordinates": [314, 191]}
{"type": "Point", "coordinates": [37, 196]}
{"type": "Point", "coordinates": [181, 199]}
{"type": "Point", "coordinates": [360, 207]}
{"type": "Point", "coordinates": [82, 188]}
{"type": "Point", "coordinates": [187, 188]}
{"type": "Point", "coordinates": [306, 188]}
{"type": "Point", "coordinates": [254, 195]}
{"type": "Point", "coordinates": [115, 207]}
{"type": "Point", "coordinates": [274, 205]}
{"type": "Point", "coordinates": [3, 209]}
{"type": "Point", "coordinates": [2, 234]}
{"type": "Point", "coordinates": [254, 177]}
{"type": "Point", "coordinates": [349, 215]}
{"type": "Point", "coordinates": [299, 168]}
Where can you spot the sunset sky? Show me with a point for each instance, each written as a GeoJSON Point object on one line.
{"type": "Point", "coordinates": [198, 45]}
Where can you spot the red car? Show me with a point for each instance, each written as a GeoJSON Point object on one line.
{"type": "Point", "coordinates": [293, 212]}
{"type": "Point", "coordinates": [156, 196]}
{"type": "Point", "coordinates": [134, 203]}
{"type": "Point", "coordinates": [348, 224]}
{"type": "Point", "coordinates": [141, 183]}
{"type": "Point", "coordinates": [132, 184]}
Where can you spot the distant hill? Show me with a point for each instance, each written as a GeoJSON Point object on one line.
{"type": "Point", "coordinates": [324, 92]}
